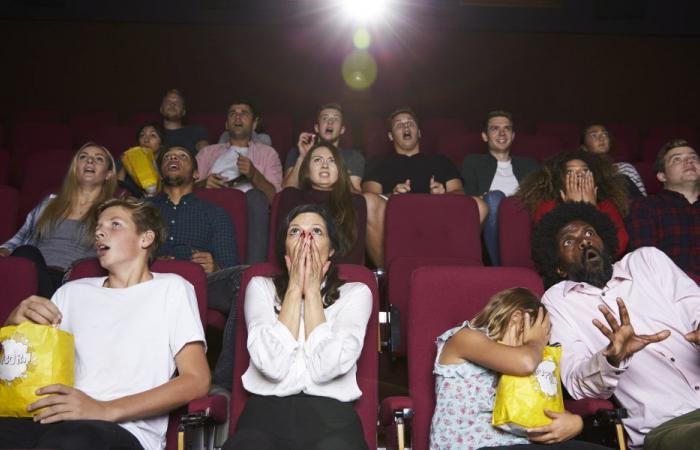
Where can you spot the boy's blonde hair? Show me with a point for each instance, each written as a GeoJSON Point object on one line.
{"type": "Point", "coordinates": [497, 312]}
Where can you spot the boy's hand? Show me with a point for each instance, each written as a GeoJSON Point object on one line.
{"type": "Point", "coordinates": [35, 309]}
{"type": "Point", "coordinates": [67, 403]}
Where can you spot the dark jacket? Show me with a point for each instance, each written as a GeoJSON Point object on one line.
{"type": "Point", "coordinates": [478, 171]}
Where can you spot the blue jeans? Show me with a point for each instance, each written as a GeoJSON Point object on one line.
{"type": "Point", "coordinates": [493, 199]}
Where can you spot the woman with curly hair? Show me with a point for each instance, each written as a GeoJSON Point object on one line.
{"type": "Point", "coordinates": [578, 176]}
{"type": "Point", "coordinates": [306, 329]}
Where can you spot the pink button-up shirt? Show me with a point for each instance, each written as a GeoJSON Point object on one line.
{"type": "Point", "coordinates": [263, 157]}
{"type": "Point", "coordinates": [658, 383]}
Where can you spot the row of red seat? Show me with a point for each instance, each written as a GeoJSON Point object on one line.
{"type": "Point", "coordinates": [440, 296]}
{"type": "Point", "coordinates": [449, 136]}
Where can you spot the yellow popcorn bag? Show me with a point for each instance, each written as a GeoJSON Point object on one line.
{"type": "Point", "coordinates": [32, 356]}
{"type": "Point", "coordinates": [521, 401]}
{"type": "Point", "coordinates": [141, 165]}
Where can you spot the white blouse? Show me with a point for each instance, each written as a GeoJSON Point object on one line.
{"type": "Point", "coordinates": [325, 364]}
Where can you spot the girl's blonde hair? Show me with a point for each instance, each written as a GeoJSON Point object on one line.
{"type": "Point", "coordinates": [59, 208]}
{"type": "Point", "coordinates": [497, 312]}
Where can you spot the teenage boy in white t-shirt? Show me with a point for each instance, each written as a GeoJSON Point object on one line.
{"type": "Point", "coordinates": [133, 329]}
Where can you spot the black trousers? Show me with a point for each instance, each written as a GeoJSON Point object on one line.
{"type": "Point", "coordinates": [297, 422]}
{"type": "Point", "coordinates": [68, 435]}
{"type": "Point", "coordinates": [49, 279]}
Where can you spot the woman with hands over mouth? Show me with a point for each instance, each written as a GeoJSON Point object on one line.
{"type": "Point", "coordinates": [306, 329]}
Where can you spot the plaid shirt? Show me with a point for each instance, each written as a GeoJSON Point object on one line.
{"type": "Point", "coordinates": [667, 221]}
{"type": "Point", "coordinates": [194, 224]}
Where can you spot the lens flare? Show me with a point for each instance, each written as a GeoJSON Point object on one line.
{"type": "Point", "coordinates": [361, 38]}
{"type": "Point", "coordinates": [364, 10]}
{"type": "Point", "coordinates": [359, 70]}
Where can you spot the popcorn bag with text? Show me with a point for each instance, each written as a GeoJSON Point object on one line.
{"type": "Point", "coordinates": [521, 401]}
{"type": "Point", "coordinates": [32, 356]}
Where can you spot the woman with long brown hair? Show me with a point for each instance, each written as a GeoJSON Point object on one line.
{"type": "Point", "coordinates": [60, 229]}
{"type": "Point", "coordinates": [324, 179]}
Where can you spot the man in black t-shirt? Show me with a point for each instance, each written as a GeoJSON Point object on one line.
{"type": "Point", "coordinates": [191, 137]}
{"type": "Point", "coordinates": [407, 170]}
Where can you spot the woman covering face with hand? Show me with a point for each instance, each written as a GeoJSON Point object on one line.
{"type": "Point", "coordinates": [578, 176]}
{"type": "Point", "coordinates": [306, 329]}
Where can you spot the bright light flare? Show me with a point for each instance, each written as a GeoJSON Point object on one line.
{"type": "Point", "coordinates": [364, 10]}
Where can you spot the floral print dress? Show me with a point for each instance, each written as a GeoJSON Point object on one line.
{"type": "Point", "coordinates": [465, 394]}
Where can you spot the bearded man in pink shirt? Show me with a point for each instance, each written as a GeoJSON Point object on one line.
{"type": "Point", "coordinates": [628, 329]}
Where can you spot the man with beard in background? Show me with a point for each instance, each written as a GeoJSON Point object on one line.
{"type": "Point", "coordinates": [647, 355]}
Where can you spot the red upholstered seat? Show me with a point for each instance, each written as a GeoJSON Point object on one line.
{"type": "Point", "coordinates": [234, 202]}
{"type": "Point", "coordinates": [279, 127]}
{"type": "Point", "coordinates": [647, 171]}
{"type": "Point", "coordinates": [18, 281]}
{"type": "Point", "coordinates": [422, 229]}
{"type": "Point", "coordinates": [568, 133]}
{"type": "Point", "coordinates": [441, 298]}
{"type": "Point", "coordinates": [433, 127]}
{"type": "Point", "coordinates": [536, 146]}
{"type": "Point", "coordinates": [85, 123]}
{"type": "Point", "coordinates": [456, 144]}
{"type": "Point", "coordinates": [367, 365]}
{"type": "Point", "coordinates": [674, 130]}
{"type": "Point", "coordinates": [116, 138]}
{"type": "Point", "coordinates": [44, 172]}
{"type": "Point", "coordinates": [27, 138]}
{"type": "Point", "coordinates": [376, 138]}
{"type": "Point", "coordinates": [9, 219]}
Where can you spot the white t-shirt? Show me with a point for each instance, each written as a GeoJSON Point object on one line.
{"type": "Point", "coordinates": [226, 165]}
{"type": "Point", "coordinates": [126, 339]}
{"type": "Point", "coordinates": [504, 180]}
{"type": "Point", "coordinates": [324, 365]}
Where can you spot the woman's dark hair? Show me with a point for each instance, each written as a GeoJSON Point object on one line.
{"type": "Point", "coordinates": [340, 199]}
{"type": "Point", "coordinates": [331, 283]}
{"type": "Point", "coordinates": [546, 183]}
{"type": "Point", "coordinates": [545, 248]}
{"type": "Point", "coordinates": [157, 128]}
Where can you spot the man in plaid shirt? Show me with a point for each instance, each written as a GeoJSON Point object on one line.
{"type": "Point", "coordinates": [670, 220]}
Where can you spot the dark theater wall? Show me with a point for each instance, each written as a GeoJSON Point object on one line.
{"type": "Point", "coordinates": [83, 66]}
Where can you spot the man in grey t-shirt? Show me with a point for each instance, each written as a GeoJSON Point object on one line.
{"type": "Point", "coordinates": [328, 127]}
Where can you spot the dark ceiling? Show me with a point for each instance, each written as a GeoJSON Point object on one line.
{"type": "Point", "coordinates": [622, 17]}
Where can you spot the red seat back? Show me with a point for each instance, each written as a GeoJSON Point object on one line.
{"type": "Point", "coordinates": [536, 146]}
{"type": "Point", "coordinates": [116, 138]}
{"type": "Point", "coordinates": [568, 133]}
{"type": "Point", "coordinates": [279, 127]}
{"type": "Point", "coordinates": [514, 230]}
{"type": "Point", "coordinates": [9, 205]}
{"type": "Point", "coordinates": [425, 229]}
{"type": "Point", "coordinates": [18, 281]}
{"type": "Point", "coordinates": [4, 167]}
{"type": "Point", "coordinates": [456, 144]}
{"type": "Point", "coordinates": [44, 172]}
{"type": "Point", "coordinates": [376, 138]}
{"type": "Point", "coordinates": [432, 128]}
{"type": "Point", "coordinates": [441, 298]}
{"type": "Point", "coordinates": [432, 225]}
{"type": "Point", "coordinates": [234, 202]}
{"type": "Point", "coordinates": [27, 138]}
{"type": "Point", "coordinates": [213, 123]}
{"type": "Point", "coordinates": [84, 124]}
{"type": "Point", "coordinates": [647, 171]}
{"type": "Point", "coordinates": [668, 131]}
{"type": "Point", "coordinates": [367, 365]}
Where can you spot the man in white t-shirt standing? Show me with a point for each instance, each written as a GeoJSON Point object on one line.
{"type": "Point", "coordinates": [496, 174]}
{"type": "Point", "coordinates": [246, 165]}
{"type": "Point", "coordinates": [133, 329]}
